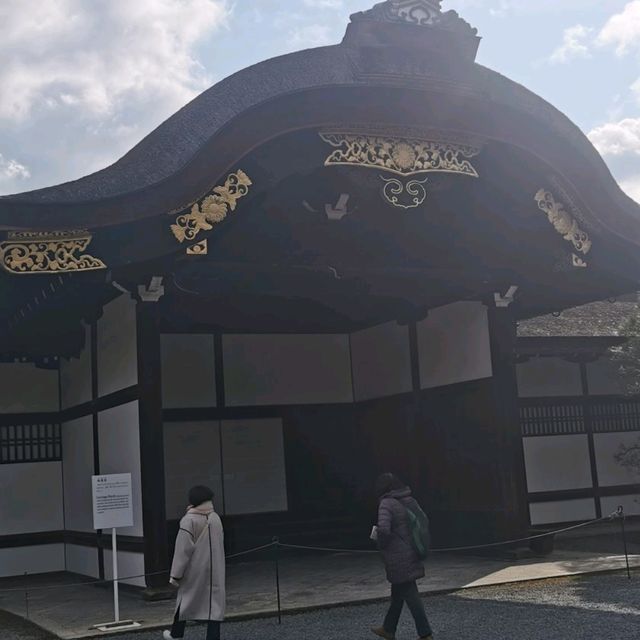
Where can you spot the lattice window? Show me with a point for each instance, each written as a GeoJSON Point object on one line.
{"type": "Point", "coordinates": [30, 443]}
{"type": "Point", "coordinates": [552, 419]}
{"type": "Point", "coordinates": [615, 415]}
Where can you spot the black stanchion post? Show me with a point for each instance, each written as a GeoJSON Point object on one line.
{"type": "Point", "coordinates": [276, 552]}
{"type": "Point", "coordinates": [621, 516]}
{"type": "Point", "coordinates": [26, 597]}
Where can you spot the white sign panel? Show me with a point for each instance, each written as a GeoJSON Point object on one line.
{"type": "Point", "coordinates": [112, 501]}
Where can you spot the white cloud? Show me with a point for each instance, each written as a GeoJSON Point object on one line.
{"type": "Point", "coordinates": [313, 35]}
{"type": "Point", "coordinates": [11, 169]}
{"type": "Point", "coordinates": [573, 45]}
{"type": "Point", "coordinates": [83, 81]}
{"type": "Point", "coordinates": [631, 186]}
{"type": "Point", "coordinates": [324, 4]}
{"type": "Point", "coordinates": [617, 138]}
{"type": "Point", "coordinates": [622, 30]}
{"type": "Point", "coordinates": [501, 8]}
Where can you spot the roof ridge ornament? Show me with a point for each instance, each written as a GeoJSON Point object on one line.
{"type": "Point", "coordinates": [420, 13]}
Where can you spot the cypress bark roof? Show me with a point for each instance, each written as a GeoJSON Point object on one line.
{"type": "Point", "coordinates": [597, 319]}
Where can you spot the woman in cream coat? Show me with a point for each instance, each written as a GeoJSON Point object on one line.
{"type": "Point", "coordinates": [198, 568]}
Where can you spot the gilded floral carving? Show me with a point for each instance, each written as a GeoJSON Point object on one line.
{"type": "Point", "coordinates": [212, 209]}
{"type": "Point", "coordinates": [565, 224]}
{"type": "Point", "coordinates": [31, 252]}
{"type": "Point", "coordinates": [404, 156]}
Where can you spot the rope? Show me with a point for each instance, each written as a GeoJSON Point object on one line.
{"type": "Point", "coordinates": [142, 575]}
{"type": "Point", "coordinates": [536, 537]}
{"type": "Point", "coordinates": [467, 548]}
{"type": "Point", "coordinates": [249, 551]}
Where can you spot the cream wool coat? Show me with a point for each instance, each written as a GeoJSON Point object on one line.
{"type": "Point", "coordinates": [199, 565]}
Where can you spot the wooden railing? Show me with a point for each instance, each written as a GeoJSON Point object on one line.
{"type": "Point", "coordinates": [578, 414]}
{"type": "Point", "coordinates": [30, 443]}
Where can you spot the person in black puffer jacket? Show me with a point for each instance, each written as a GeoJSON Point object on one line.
{"type": "Point", "coordinates": [402, 563]}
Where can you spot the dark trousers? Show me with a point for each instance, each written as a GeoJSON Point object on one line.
{"type": "Point", "coordinates": [401, 593]}
{"type": "Point", "coordinates": [178, 627]}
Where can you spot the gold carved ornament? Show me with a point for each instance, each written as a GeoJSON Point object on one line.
{"type": "Point", "coordinates": [404, 157]}
{"type": "Point", "coordinates": [199, 248]}
{"type": "Point", "coordinates": [213, 208]}
{"type": "Point", "coordinates": [566, 225]}
{"type": "Point", "coordinates": [31, 252]}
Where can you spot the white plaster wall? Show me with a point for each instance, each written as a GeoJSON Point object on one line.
{"type": "Point", "coordinates": [555, 463]}
{"type": "Point", "coordinates": [610, 472]}
{"type": "Point", "coordinates": [119, 438]}
{"type": "Point", "coordinates": [75, 376]}
{"type": "Point", "coordinates": [453, 345]}
{"type": "Point", "coordinates": [77, 465]}
{"type": "Point", "coordinates": [630, 503]}
{"type": "Point", "coordinates": [562, 511]}
{"type": "Point", "coordinates": [381, 361]}
{"type": "Point", "coordinates": [604, 378]}
{"type": "Point", "coordinates": [82, 560]}
{"type": "Point", "coordinates": [129, 564]}
{"type": "Point", "coordinates": [24, 388]}
{"type": "Point", "coordinates": [31, 498]}
{"type": "Point", "coordinates": [541, 377]}
{"type": "Point", "coordinates": [191, 457]}
{"type": "Point", "coordinates": [254, 467]}
{"type": "Point", "coordinates": [36, 559]}
{"type": "Point", "coordinates": [188, 371]}
{"type": "Point", "coordinates": [286, 369]}
{"type": "Point", "coordinates": [117, 345]}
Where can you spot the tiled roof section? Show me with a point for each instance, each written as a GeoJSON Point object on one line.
{"type": "Point", "coordinates": [589, 320]}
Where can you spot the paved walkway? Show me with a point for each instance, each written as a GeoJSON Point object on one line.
{"type": "Point", "coordinates": [307, 582]}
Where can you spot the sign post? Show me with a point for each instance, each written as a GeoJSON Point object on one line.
{"type": "Point", "coordinates": [113, 508]}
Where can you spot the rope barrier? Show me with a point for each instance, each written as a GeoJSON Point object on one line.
{"type": "Point", "coordinates": [142, 575]}
{"type": "Point", "coordinates": [467, 548]}
{"type": "Point", "coordinates": [276, 543]}
{"type": "Point", "coordinates": [250, 551]}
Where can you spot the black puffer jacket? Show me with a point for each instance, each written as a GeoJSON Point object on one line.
{"type": "Point", "coordinates": [394, 538]}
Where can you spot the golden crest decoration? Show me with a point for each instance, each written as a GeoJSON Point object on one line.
{"type": "Point", "coordinates": [405, 158]}
{"type": "Point", "coordinates": [565, 224]}
{"type": "Point", "coordinates": [213, 208]}
{"type": "Point", "coordinates": [46, 252]}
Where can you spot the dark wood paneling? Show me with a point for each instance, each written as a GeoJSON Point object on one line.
{"type": "Point", "coordinates": [574, 494]}
{"type": "Point", "coordinates": [82, 538]}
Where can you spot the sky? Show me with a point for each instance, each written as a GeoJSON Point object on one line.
{"type": "Point", "coordinates": [82, 81]}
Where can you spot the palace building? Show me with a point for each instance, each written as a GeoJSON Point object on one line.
{"type": "Point", "coordinates": [310, 274]}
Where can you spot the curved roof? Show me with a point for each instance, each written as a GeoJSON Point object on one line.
{"type": "Point", "coordinates": [398, 46]}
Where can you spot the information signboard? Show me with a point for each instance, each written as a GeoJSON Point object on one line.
{"type": "Point", "coordinates": [112, 501]}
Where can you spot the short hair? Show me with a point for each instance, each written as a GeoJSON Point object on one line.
{"type": "Point", "coordinates": [199, 494]}
{"type": "Point", "coordinates": [388, 482]}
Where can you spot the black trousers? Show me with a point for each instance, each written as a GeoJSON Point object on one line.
{"type": "Point", "coordinates": [401, 593]}
{"type": "Point", "coordinates": [178, 627]}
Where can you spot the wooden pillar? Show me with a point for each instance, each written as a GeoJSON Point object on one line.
{"type": "Point", "coordinates": [510, 463]}
{"type": "Point", "coordinates": [588, 425]}
{"type": "Point", "coordinates": [414, 440]}
{"type": "Point", "coordinates": [152, 444]}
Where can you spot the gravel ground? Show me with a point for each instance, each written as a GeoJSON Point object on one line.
{"type": "Point", "coordinates": [597, 606]}
{"type": "Point", "coordinates": [14, 628]}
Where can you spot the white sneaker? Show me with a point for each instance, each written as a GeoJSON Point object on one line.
{"type": "Point", "coordinates": [167, 635]}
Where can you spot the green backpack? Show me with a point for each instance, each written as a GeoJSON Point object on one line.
{"type": "Point", "coordinates": [419, 527]}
